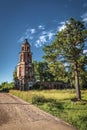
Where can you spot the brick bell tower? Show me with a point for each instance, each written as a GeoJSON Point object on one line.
{"type": "Point", "coordinates": [25, 68]}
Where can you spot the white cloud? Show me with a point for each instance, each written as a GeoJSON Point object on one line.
{"type": "Point", "coordinates": [28, 33]}
{"type": "Point", "coordinates": [40, 41]}
{"type": "Point", "coordinates": [50, 35]}
{"type": "Point", "coordinates": [33, 31]}
{"type": "Point", "coordinates": [38, 44]}
{"type": "Point", "coordinates": [84, 51]}
{"type": "Point", "coordinates": [44, 32]}
{"type": "Point", "coordinates": [62, 23]}
{"type": "Point", "coordinates": [62, 26]}
{"type": "Point", "coordinates": [41, 27]}
{"type": "Point", "coordinates": [84, 17]}
{"type": "Point", "coordinates": [42, 38]}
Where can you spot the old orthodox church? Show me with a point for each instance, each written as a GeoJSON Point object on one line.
{"type": "Point", "coordinates": [25, 68]}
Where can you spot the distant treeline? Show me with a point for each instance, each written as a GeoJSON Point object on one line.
{"type": "Point", "coordinates": [5, 86]}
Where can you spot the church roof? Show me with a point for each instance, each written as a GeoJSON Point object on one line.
{"type": "Point", "coordinates": [26, 42]}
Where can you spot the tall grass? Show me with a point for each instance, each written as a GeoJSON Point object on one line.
{"type": "Point", "coordinates": [60, 104]}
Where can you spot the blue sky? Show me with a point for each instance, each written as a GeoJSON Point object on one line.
{"type": "Point", "coordinates": [37, 20]}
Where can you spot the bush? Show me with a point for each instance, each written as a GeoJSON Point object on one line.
{"type": "Point", "coordinates": [5, 86]}
{"type": "Point", "coordinates": [42, 87]}
{"type": "Point", "coordinates": [39, 87]}
{"type": "Point", "coordinates": [5, 90]}
{"type": "Point", "coordinates": [38, 99]}
{"type": "Point", "coordinates": [36, 86]}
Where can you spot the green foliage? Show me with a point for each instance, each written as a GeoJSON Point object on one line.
{"type": "Point", "coordinates": [41, 71]}
{"type": "Point", "coordinates": [38, 99]}
{"type": "Point", "coordinates": [15, 74]}
{"type": "Point", "coordinates": [58, 71]}
{"type": "Point", "coordinates": [39, 87]}
{"type": "Point", "coordinates": [68, 46]}
{"type": "Point", "coordinates": [36, 73]}
{"type": "Point", "coordinates": [5, 86]}
{"type": "Point", "coordinates": [53, 71]}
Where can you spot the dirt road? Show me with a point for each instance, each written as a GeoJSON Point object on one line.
{"type": "Point", "coordinates": [16, 114]}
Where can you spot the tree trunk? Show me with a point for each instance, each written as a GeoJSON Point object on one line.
{"type": "Point", "coordinates": [78, 93]}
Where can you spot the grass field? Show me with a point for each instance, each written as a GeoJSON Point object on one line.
{"type": "Point", "coordinates": [60, 104]}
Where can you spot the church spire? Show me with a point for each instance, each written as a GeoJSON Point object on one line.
{"type": "Point", "coordinates": [26, 40]}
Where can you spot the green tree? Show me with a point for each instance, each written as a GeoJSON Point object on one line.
{"type": "Point", "coordinates": [58, 71]}
{"type": "Point", "coordinates": [69, 45]}
{"type": "Point", "coordinates": [15, 73]}
{"type": "Point", "coordinates": [44, 73]}
{"type": "Point", "coordinates": [36, 73]}
{"type": "Point", "coordinates": [5, 86]}
{"type": "Point", "coordinates": [55, 67]}
{"type": "Point", "coordinates": [41, 71]}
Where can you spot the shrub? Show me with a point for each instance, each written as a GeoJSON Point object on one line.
{"type": "Point", "coordinates": [5, 86]}
{"type": "Point", "coordinates": [42, 87]}
{"type": "Point", "coordinates": [39, 87]}
{"type": "Point", "coordinates": [38, 99]}
{"type": "Point", "coordinates": [36, 86]}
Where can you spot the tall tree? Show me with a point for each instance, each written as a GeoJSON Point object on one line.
{"type": "Point", "coordinates": [69, 45]}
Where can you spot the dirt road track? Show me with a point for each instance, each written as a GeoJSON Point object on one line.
{"type": "Point", "coordinates": [16, 114]}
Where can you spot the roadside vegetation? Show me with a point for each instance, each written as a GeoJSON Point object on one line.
{"type": "Point", "coordinates": [5, 86]}
{"type": "Point", "coordinates": [60, 103]}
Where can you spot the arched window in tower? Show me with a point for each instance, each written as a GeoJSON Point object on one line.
{"type": "Point", "coordinates": [28, 56]}
{"type": "Point", "coordinates": [27, 48]}
{"type": "Point", "coordinates": [22, 48]}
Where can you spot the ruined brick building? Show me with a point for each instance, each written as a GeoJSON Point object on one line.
{"type": "Point", "coordinates": [25, 72]}
{"type": "Point", "coordinates": [25, 68]}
